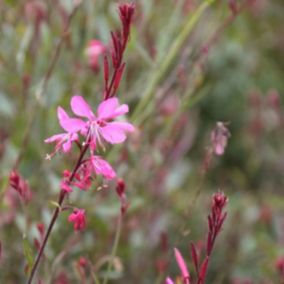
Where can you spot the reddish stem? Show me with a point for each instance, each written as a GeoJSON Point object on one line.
{"type": "Point", "coordinates": [55, 215]}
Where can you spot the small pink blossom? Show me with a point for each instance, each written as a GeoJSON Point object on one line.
{"type": "Point", "coordinates": [64, 140]}
{"type": "Point", "coordinates": [83, 261]}
{"type": "Point", "coordinates": [18, 183]}
{"type": "Point", "coordinates": [78, 217]}
{"type": "Point", "coordinates": [94, 50]}
{"type": "Point", "coordinates": [65, 186]}
{"type": "Point", "coordinates": [102, 167]}
{"type": "Point", "coordinates": [101, 127]}
{"type": "Point", "coordinates": [83, 179]}
{"type": "Point", "coordinates": [120, 190]}
{"type": "Point", "coordinates": [219, 138]}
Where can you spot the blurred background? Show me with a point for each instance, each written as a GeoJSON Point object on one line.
{"type": "Point", "coordinates": [189, 64]}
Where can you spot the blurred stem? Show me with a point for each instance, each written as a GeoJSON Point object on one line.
{"type": "Point", "coordinates": [114, 248]}
{"type": "Point", "coordinates": [94, 277]}
{"type": "Point", "coordinates": [163, 67]}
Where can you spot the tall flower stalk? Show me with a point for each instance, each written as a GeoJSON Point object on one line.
{"type": "Point", "coordinates": [90, 131]}
{"type": "Point", "coordinates": [216, 220]}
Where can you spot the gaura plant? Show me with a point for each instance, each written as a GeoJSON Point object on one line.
{"type": "Point", "coordinates": [90, 130]}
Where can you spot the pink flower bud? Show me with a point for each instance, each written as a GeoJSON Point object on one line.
{"type": "Point", "coordinates": [120, 187]}
{"type": "Point", "coordinates": [82, 261]}
{"type": "Point", "coordinates": [78, 217]}
{"type": "Point", "coordinates": [219, 138]}
{"type": "Point", "coordinates": [36, 11]}
{"type": "Point", "coordinates": [41, 229]}
{"type": "Point", "coordinates": [219, 200]}
{"type": "Point", "coordinates": [18, 183]}
{"type": "Point", "coordinates": [94, 51]}
{"type": "Point", "coordinates": [65, 186]}
{"type": "Point", "coordinates": [280, 265]}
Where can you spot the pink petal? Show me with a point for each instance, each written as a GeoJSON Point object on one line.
{"type": "Point", "coordinates": [115, 132]}
{"type": "Point", "coordinates": [125, 126]}
{"type": "Point", "coordinates": [181, 264]}
{"type": "Point", "coordinates": [72, 217]}
{"type": "Point", "coordinates": [123, 109]}
{"type": "Point", "coordinates": [55, 137]}
{"type": "Point", "coordinates": [107, 108]}
{"type": "Point", "coordinates": [169, 281]}
{"type": "Point", "coordinates": [61, 114]}
{"type": "Point", "coordinates": [219, 149]}
{"type": "Point", "coordinates": [72, 125]}
{"type": "Point", "coordinates": [67, 146]}
{"type": "Point", "coordinates": [102, 167]}
{"type": "Point", "coordinates": [81, 108]}
{"type": "Point", "coordinates": [74, 137]}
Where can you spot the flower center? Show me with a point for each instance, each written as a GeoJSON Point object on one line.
{"type": "Point", "coordinates": [101, 123]}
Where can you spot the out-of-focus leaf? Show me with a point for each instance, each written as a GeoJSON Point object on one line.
{"type": "Point", "coordinates": [6, 106]}
{"type": "Point", "coordinates": [28, 254]}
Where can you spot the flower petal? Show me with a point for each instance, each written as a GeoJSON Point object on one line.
{"type": "Point", "coordinates": [103, 168]}
{"type": "Point", "coordinates": [55, 137]}
{"type": "Point", "coordinates": [125, 126]}
{"type": "Point", "coordinates": [81, 108]}
{"type": "Point", "coordinates": [61, 114]}
{"type": "Point", "coordinates": [107, 108]}
{"type": "Point", "coordinates": [182, 265]}
{"type": "Point", "coordinates": [72, 124]}
{"type": "Point", "coordinates": [115, 132]}
{"type": "Point", "coordinates": [169, 281]}
{"type": "Point", "coordinates": [123, 109]}
{"type": "Point", "coordinates": [66, 146]}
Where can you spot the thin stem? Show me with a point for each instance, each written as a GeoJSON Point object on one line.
{"type": "Point", "coordinates": [114, 248]}
{"type": "Point", "coordinates": [110, 91]}
{"type": "Point", "coordinates": [160, 278]}
{"type": "Point", "coordinates": [55, 215]}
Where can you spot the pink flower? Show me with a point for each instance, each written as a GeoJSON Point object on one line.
{"type": "Point", "coordinates": [219, 138]}
{"type": "Point", "coordinates": [101, 126]}
{"type": "Point", "coordinates": [182, 266]}
{"type": "Point", "coordinates": [78, 218]}
{"type": "Point", "coordinates": [65, 186]}
{"type": "Point", "coordinates": [64, 140]}
{"type": "Point", "coordinates": [94, 50]}
{"type": "Point", "coordinates": [100, 167]}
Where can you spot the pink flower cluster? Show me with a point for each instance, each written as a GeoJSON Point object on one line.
{"type": "Point", "coordinates": [94, 130]}
{"type": "Point", "coordinates": [94, 50]}
{"type": "Point", "coordinates": [91, 130]}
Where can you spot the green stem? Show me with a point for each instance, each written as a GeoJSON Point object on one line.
{"type": "Point", "coordinates": [114, 248]}
{"type": "Point", "coordinates": [164, 66]}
